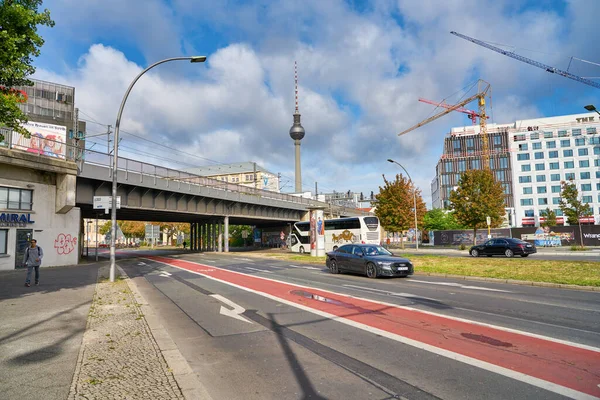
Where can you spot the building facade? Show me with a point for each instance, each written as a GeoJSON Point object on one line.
{"type": "Point", "coordinates": [248, 174]}
{"type": "Point", "coordinates": [531, 158]}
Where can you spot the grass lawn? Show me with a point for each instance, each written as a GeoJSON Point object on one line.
{"type": "Point", "coordinates": [583, 273]}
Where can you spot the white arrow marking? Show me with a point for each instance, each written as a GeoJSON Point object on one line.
{"type": "Point", "coordinates": [165, 274]}
{"type": "Point", "coordinates": [142, 263]}
{"type": "Point", "coordinates": [235, 313]}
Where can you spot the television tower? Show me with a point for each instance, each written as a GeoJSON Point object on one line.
{"type": "Point", "coordinates": [297, 133]}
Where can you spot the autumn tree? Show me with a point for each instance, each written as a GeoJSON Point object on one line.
{"type": "Point", "coordinates": [549, 217]}
{"type": "Point", "coordinates": [19, 43]}
{"type": "Point", "coordinates": [440, 220]}
{"type": "Point", "coordinates": [572, 207]}
{"type": "Point", "coordinates": [477, 197]}
{"type": "Point", "coordinates": [395, 205]}
{"type": "Point", "coordinates": [133, 229]}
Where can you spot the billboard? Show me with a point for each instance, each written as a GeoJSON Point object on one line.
{"type": "Point", "coordinates": [46, 139]}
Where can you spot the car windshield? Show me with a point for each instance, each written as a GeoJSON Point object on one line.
{"type": "Point", "coordinates": [376, 251]}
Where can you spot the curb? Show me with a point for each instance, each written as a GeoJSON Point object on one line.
{"type": "Point", "coordinates": [188, 382]}
{"type": "Point", "coordinates": [514, 281]}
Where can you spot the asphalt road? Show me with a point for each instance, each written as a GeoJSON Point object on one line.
{"type": "Point", "coordinates": [542, 254]}
{"type": "Point", "coordinates": [254, 328]}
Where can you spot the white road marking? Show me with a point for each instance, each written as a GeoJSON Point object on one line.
{"type": "Point", "coordinates": [423, 346]}
{"type": "Point", "coordinates": [164, 274]}
{"type": "Point", "coordinates": [297, 266]}
{"type": "Point", "coordinates": [236, 309]}
{"type": "Point", "coordinates": [243, 259]}
{"type": "Point", "coordinates": [461, 286]}
{"type": "Point", "coordinates": [258, 270]}
{"type": "Point", "coordinates": [142, 263]}
{"type": "Point", "coordinates": [390, 293]}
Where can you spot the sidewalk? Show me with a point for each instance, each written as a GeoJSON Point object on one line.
{"type": "Point", "coordinates": [77, 335]}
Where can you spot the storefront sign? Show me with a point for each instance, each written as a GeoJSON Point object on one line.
{"type": "Point", "coordinates": [21, 220]}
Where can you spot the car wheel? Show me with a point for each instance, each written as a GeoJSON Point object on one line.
{"type": "Point", "coordinates": [335, 248]}
{"type": "Point", "coordinates": [333, 267]}
{"type": "Point", "coordinates": [509, 253]}
{"type": "Point", "coordinates": [524, 255]}
{"type": "Point", "coordinates": [371, 270]}
{"type": "Point", "coordinates": [474, 253]}
{"type": "Point", "coordinates": [301, 249]}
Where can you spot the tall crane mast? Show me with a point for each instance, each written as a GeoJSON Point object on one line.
{"type": "Point", "coordinates": [472, 115]}
{"type": "Point", "coordinates": [538, 64]}
{"type": "Point", "coordinates": [482, 90]}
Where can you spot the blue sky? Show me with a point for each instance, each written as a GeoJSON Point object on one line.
{"type": "Point", "coordinates": [362, 67]}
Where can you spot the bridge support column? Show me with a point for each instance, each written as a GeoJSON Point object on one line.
{"type": "Point", "coordinates": [201, 237]}
{"type": "Point", "coordinates": [191, 237]}
{"type": "Point", "coordinates": [220, 236]}
{"type": "Point", "coordinates": [226, 236]}
{"type": "Point", "coordinates": [212, 235]}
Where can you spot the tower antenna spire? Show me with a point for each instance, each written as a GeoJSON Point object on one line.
{"type": "Point", "coordinates": [296, 85]}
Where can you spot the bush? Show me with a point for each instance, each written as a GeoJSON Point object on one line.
{"type": "Point", "coordinates": [577, 248]}
{"type": "Point", "coordinates": [462, 246]}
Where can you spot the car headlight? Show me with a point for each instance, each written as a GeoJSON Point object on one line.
{"type": "Point", "coordinates": [385, 265]}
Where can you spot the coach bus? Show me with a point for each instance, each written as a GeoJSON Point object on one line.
{"type": "Point", "coordinates": [337, 232]}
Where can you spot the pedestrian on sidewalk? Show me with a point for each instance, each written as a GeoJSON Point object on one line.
{"type": "Point", "coordinates": [33, 259]}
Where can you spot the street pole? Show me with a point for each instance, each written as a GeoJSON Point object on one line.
{"type": "Point", "coordinates": [113, 218]}
{"type": "Point", "coordinates": [414, 200]}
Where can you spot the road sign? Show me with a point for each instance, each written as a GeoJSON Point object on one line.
{"type": "Point", "coordinates": [244, 234]}
{"type": "Point", "coordinates": [488, 220]}
{"type": "Point", "coordinates": [105, 203]}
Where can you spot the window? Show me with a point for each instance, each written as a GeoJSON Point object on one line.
{"type": "Point", "coordinates": [462, 166]}
{"type": "Point", "coordinates": [475, 164]}
{"type": "Point", "coordinates": [569, 164]}
{"type": "Point", "coordinates": [540, 178]}
{"type": "Point", "coordinates": [568, 153]}
{"type": "Point", "coordinates": [497, 140]}
{"type": "Point", "coordinates": [586, 199]}
{"type": "Point", "coordinates": [570, 176]}
{"type": "Point", "coordinates": [551, 144]}
{"type": "Point", "coordinates": [448, 166]}
{"type": "Point", "coordinates": [556, 200]}
{"type": "Point", "coordinates": [503, 162]}
{"type": "Point", "coordinates": [594, 140]}
{"type": "Point", "coordinates": [527, 190]}
{"type": "Point", "coordinates": [558, 212]}
{"type": "Point", "coordinates": [529, 213]}
{"type": "Point", "coordinates": [506, 188]}
{"type": "Point", "coordinates": [519, 138]}
{"type": "Point", "coordinates": [534, 136]}
{"type": "Point", "coordinates": [590, 131]}
{"type": "Point", "coordinates": [3, 240]}
{"type": "Point", "coordinates": [597, 162]}
{"type": "Point", "coordinates": [597, 150]}
{"type": "Point", "coordinates": [523, 147]}
{"type": "Point", "coordinates": [524, 179]}
{"type": "Point", "coordinates": [470, 142]}
{"type": "Point", "coordinates": [541, 189]}
{"type": "Point", "coordinates": [565, 143]}
{"type": "Point", "coordinates": [554, 165]}
{"type": "Point", "coordinates": [539, 155]}
{"type": "Point", "coordinates": [542, 201]}
{"type": "Point", "coordinates": [540, 167]}
{"type": "Point", "coordinates": [555, 177]}
{"type": "Point", "coordinates": [536, 146]}
{"type": "Point", "coordinates": [582, 152]}
{"type": "Point", "coordinates": [580, 142]}
{"type": "Point", "coordinates": [456, 145]}
{"type": "Point", "coordinates": [556, 189]}
{"type": "Point", "coordinates": [15, 199]}
{"type": "Point", "coordinates": [250, 177]}
{"type": "Point", "coordinates": [584, 175]}
{"type": "Point", "coordinates": [523, 156]}
{"type": "Point", "coordinates": [548, 135]}
{"type": "Point", "coordinates": [576, 132]}
{"type": "Point", "coordinates": [586, 187]}
{"type": "Point", "coordinates": [500, 176]}
{"type": "Point", "coordinates": [562, 133]}
{"type": "Point", "coordinates": [526, 202]}
{"type": "Point", "coordinates": [526, 167]}
{"type": "Point", "coordinates": [553, 154]}
{"type": "Point", "coordinates": [584, 163]}
{"type": "Point", "coordinates": [597, 186]}
{"type": "Point", "coordinates": [598, 177]}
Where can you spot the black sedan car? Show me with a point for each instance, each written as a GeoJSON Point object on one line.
{"type": "Point", "coordinates": [503, 247]}
{"type": "Point", "coordinates": [367, 259]}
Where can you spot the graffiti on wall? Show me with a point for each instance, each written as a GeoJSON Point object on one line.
{"type": "Point", "coordinates": [65, 244]}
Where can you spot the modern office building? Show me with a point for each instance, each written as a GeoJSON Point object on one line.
{"type": "Point", "coordinates": [530, 158]}
{"type": "Point", "coordinates": [248, 174]}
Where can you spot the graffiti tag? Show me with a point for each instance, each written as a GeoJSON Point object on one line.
{"type": "Point", "coordinates": [65, 244]}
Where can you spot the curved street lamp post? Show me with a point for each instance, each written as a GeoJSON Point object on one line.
{"type": "Point", "coordinates": [113, 219]}
{"type": "Point", "coordinates": [415, 202]}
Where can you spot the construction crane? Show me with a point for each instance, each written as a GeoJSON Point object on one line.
{"type": "Point", "coordinates": [472, 115]}
{"type": "Point", "coordinates": [482, 90]}
{"type": "Point", "coordinates": [538, 64]}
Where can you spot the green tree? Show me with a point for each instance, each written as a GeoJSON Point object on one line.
{"type": "Point", "coordinates": [395, 205]}
{"type": "Point", "coordinates": [440, 220]}
{"type": "Point", "coordinates": [477, 197]}
{"type": "Point", "coordinates": [105, 227]}
{"type": "Point", "coordinates": [133, 229]}
{"type": "Point", "coordinates": [571, 206]}
{"type": "Point", "coordinates": [19, 43]}
{"type": "Point", "coordinates": [549, 217]}
{"type": "Point", "coordinates": [235, 234]}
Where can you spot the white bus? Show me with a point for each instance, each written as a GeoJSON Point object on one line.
{"type": "Point", "coordinates": [337, 232]}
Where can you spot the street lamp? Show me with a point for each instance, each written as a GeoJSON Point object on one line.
{"type": "Point", "coordinates": [113, 219]}
{"type": "Point", "coordinates": [415, 202]}
{"type": "Point", "coordinates": [591, 107]}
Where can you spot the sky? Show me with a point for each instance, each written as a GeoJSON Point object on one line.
{"type": "Point", "coordinates": [362, 66]}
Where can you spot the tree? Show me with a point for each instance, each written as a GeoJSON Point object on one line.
{"type": "Point", "coordinates": [395, 205]}
{"type": "Point", "coordinates": [440, 220]}
{"type": "Point", "coordinates": [19, 42]}
{"type": "Point", "coordinates": [549, 217]}
{"type": "Point", "coordinates": [133, 229]}
{"type": "Point", "coordinates": [477, 197]}
{"type": "Point", "coordinates": [105, 227]}
{"type": "Point", "coordinates": [571, 206]}
{"type": "Point", "coordinates": [172, 229]}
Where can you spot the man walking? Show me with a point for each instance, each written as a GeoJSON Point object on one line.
{"type": "Point", "coordinates": [33, 259]}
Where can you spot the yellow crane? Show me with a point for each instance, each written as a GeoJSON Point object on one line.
{"type": "Point", "coordinates": [482, 90]}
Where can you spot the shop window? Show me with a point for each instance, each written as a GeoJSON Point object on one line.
{"type": "Point", "coordinates": [3, 240]}
{"type": "Point", "coordinates": [15, 199]}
